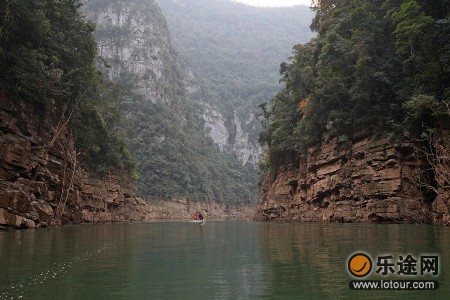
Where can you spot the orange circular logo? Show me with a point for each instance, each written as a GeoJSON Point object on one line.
{"type": "Point", "coordinates": [359, 265]}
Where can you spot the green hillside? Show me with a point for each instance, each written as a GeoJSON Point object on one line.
{"type": "Point", "coordinates": [235, 50]}
{"type": "Point", "coordinates": [175, 158]}
{"type": "Point", "coordinates": [381, 67]}
{"type": "Point", "coordinates": [47, 61]}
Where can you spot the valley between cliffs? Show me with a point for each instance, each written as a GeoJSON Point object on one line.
{"type": "Point", "coordinates": [45, 183]}
{"type": "Point", "coordinates": [56, 171]}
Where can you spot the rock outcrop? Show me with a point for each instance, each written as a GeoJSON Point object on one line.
{"type": "Point", "coordinates": [229, 135]}
{"type": "Point", "coordinates": [42, 182]}
{"type": "Point", "coordinates": [366, 180]}
{"type": "Point", "coordinates": [133, 39]}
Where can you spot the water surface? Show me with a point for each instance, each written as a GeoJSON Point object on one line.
{"type": "Point", "coordinates": [220, 260]}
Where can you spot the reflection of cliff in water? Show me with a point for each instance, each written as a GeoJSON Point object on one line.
{"type": "Point", "coordinates": [220, 260]}
{"type": "Point", "coordinates": [167, 260]}
{"type": "Point", "coordinates": [309, 259]}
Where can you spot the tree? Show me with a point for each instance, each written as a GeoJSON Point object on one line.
{"type": "Point", "coordinates": [47, 58]}
{"type": "Point", "coordinates": [411, 25]}
{"type": "Point", "coordinates": [48, 50]}
{"type": "Point", "coordinates": [370, 61]}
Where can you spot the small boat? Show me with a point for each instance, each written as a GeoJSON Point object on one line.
{"type": "Point", "coordinates": [201, 222]}
{"type": "Point", "coordinates": [198, 218]}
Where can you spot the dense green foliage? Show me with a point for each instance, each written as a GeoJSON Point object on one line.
{"type": "Point", "coordinates": [96, 125]}
{"type": "Point", "coordinates": [234, 50]}
{"type": "Point", "coordinates": [376, 66]}
{"type": "Point", "coordinates": [165, 131]}
{"type": "Point", "coordinates": [176, 158]}
{"type": "Point", "coordinates": [47, 49]}
{"type": "Point", "coordinates": [47, 59]}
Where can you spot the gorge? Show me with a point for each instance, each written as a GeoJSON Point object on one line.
{"type": "Point", "coordinates": [65, 155]}
{"type": "Point", "coordinates": [110, 113]}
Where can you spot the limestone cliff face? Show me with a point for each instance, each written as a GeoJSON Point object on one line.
{"type": "Point", "coordinates": [361, 181]}
{"type": "Point", "coordinates": [133, 40]}
{"type": "Point", "coordinates": [231, 132]}
{"type": "Point", "coordinates": [42, 183]}
{"type": "Point", "coordinates": [230, 135]}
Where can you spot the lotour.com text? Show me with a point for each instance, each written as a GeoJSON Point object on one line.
{"type": "Point", "coordinates": [394, 285]}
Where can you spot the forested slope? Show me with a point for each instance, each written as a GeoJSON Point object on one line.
{"type": "Point", "coordinates": [61, 159]}
{"type": "Point", "coordinates": [378, 66]}
{"type": "Point", "coordinates": [48, 61]}
{"type": "Point", "coordinates": [233, 52]}
{"type": "Point", "coordinates": [360, 131]}
{"type": "Point", "coordinates": [175, 157]}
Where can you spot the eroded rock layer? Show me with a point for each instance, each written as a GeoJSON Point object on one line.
{"type": "Point", "coordinates": [366, 180]}
{"type": "Point", "coordinates": [42, 181]}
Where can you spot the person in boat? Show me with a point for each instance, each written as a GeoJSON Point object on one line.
{"type": "Point", "coordinates": [200, 217]}
{"type": "Point", "coordinates": [195, 216]}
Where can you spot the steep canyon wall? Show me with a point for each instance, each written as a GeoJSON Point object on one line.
{"type": "Point", "coordinates": [367, 180]}
{"type": "Point", "coordinates": [43, 183]}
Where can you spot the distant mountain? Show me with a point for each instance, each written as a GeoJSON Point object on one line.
{"type": "Point", "coordinates": [165, 131]}
{"type": "Point", "coordinates": [232, 53]}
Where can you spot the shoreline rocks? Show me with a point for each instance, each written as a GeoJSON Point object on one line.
{"type": "Point", "coordinates": [366, 180]}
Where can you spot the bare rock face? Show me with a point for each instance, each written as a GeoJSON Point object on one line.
{"type": "Point", "coordinates": [230, 136]}
{"type": "Point", "coordinates": [132, 39]}
{"type": "Point", "coordinates": [366, 180]}
{"type": "Point", "coordinates": [40, 183]}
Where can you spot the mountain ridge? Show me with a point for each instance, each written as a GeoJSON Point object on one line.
{"type": "Point", "coordinates": [232, 52]}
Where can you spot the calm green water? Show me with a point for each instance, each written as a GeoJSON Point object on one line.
{"type": "Point", "coordinates": [220, 260]}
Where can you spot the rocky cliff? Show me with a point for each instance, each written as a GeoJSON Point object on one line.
{"type": "Point", "coordinates": [133, 40]}
{"type": "Point", "coordinates": [42, 182]}
{"type": "Point", "coordinates": [165, 128]}
{"type": "Point", "coordinates": [229, 135]}
{"type": "Point", "coordinates": [366, 180]}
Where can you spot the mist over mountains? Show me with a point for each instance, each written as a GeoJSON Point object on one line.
{"type": "Point", "coordinates": [233, 53]}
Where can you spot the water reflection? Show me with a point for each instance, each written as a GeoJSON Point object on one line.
{"type": "Point", "coordinates": [221, 260]}
{"type": "Point", "coordinates": [314, 256]}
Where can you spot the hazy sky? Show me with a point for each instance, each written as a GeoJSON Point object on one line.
{"type": "Point", "coordinates": [275, 2]}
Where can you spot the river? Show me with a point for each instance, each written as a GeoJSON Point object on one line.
{"type": "Point", "coordinates": [219, 260]}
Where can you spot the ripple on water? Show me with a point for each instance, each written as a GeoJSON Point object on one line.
{"type": "Point", "coordinates": [17, 289]}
